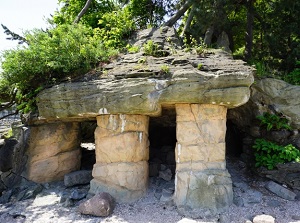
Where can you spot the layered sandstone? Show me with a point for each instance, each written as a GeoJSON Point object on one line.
{"type": "Point", "coordinates": [122, 153]}
{"type": "Point", "coordinates": [142, 84]}
{"type": "Point", "coordinates": [203, 185]}
{"type": "Point", "coordinates": [53, 151]}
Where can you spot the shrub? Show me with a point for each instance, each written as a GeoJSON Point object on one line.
{"type": "Point", "coordinates": [261, 69]}
{"type": "Point", "coordinates": [273, 122]}
{"type": "Point", "coordinates": [67, 50]}
{"type": "Point", "coordinates": [164, 69]}
{"type": "Point", "coordinates": [199, 46]}
{"type": "Point", "coordinates": [115, 27]}
{"type": "Point", "coordinates": [269, 154]}
{"type": "Point", "coordinates": [132, 49]}
{"type": "Point", "coordinates": [150, 48]}
{"type": "Point", "coordinates": [294, 76]}
{"type": "Point", "coordinates": [199, 66]}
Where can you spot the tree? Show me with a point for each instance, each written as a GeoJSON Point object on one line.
{"type": "Point", "coordinates": [83, 10]}
{"type": "Point", "coordinates": [249, 30]}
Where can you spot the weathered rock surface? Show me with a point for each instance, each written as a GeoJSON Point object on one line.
{"type": "Point", "coordinates": [277, 97]}
{"type": "Point", "coordinates": [53, 151]}
{"type": "Point", "coordinates": [101, 205]}
{"type": "Point", "coordinates": [281, 191]}
{"type": "Point", "coordinates": [137, 83]}
{"type": "Point", "coordinates": [78, 177]}
{"type": "Point", "coordinates": [263, 219]}
{"type": "Point", "coordinates": [286, 173]}
{"type": "Point", "coordinates": [122, 152]}
{"type": "Point", "coordinates": [13, 160]}
{"type": "Point", "coordinates": [203, 185]}
{"type": "Point", "coordinates": [269, 95]}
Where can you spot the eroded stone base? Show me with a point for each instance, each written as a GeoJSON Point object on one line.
{"type": "Point", "coordinates": [203, 193]}
{"type": "Point", "coordinates": [127, 182]}
{"type": "Point", "coordinates": [203, 186]}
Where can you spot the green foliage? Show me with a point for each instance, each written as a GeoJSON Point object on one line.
{"type": "Point", "coordinates": [164, 69]}
{"type": "Point", "coordinates": [152, 49]}
{"type": "Point", "coordinates": [199, 46]}
{"type": "Point", "coordinates": [5, 90]}
{"type": "Point", "coordinates": [273, 122]}
{"type": "Point", "coordinates": [149, 13]}
{"type": "Point", "coordinates": [269, 154]}
{"type": "Point", "coordinates": [132, 49]}
{"type": "Point", "coordinates": [199, 66]}
{"type": "Point", "coordinates": [67, 50]}
{"type": "Point", "coordinates": [71, 8]}
{"type": "Point", "coordinates": [115, 27]}
{"type": "Point", "coordinates": [261, 69]}
{"type": "Point", "coordinates": [8, 134]}
{"type": "Point", "coordinates": [142, 60]}
{"type": "Point", "coordinates": [294, 76]}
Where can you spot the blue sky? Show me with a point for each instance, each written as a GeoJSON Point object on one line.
{"type": "Point", "coordinates": [22, 15]}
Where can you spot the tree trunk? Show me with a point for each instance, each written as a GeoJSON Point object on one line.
{"type": "Point", "coordinates": [83, 11]}
{"type": "Point", "coordinates": [249, 31]}
{"type": "Point", "coordinates": [188, 22]}
{"type": "Point", "coordinates": [208, 36]}
{"type": "Point", "coordinates": [179, 13]}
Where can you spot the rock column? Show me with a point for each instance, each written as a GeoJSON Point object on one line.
{"type": "Point", "coordinates": [122, 153]}
{"type": "Point", "coordinates": [53, 151]}
{"type": "Point", "coordinates": [203, 186]}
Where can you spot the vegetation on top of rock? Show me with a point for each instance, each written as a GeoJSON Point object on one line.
{"type": "Point", "coordinates": [153, 49]}
{"type": "Point", "coordinates": [199, 46]}
{"type": "Point", "coordinates": [65, 50]}
{"type": "Point", "coordinates": [164, 69]}
{"type": "Point", "coordinates": [50, 57]}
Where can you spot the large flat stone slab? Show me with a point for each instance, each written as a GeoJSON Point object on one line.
{"type": "Point", "coordinates": [142, 84]}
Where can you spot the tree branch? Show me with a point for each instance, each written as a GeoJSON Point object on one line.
{"type": "Point", "coordinates": [179, 13]}
{"type": "Point", "coordinates": [14, 36]}
{"type": "Point", "coordinates": [83, 11]}
{"type": "Point", "coordinates": [188, 21]}
{"type": "Point", "coordinates": [11, 114]}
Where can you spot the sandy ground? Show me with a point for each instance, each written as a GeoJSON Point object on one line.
{"type": "Point", "coordinates": [46, 208]}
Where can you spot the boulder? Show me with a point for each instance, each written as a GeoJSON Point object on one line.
{"type": "Point", "coordinates": [280, 191]}
{"type": "Point", "coordinates": [78, 177]}
{"type": "Point", "coordinates": [285, 173]}
{"type": "Point", "coordinates": [31, 191]}
{"type": "Point", "coordinates": [268, 95]}
{"type": "Point", "coordinates": [101, 205]}
{"type": "Point", "coordinates": [263, 219]}
{"type": "Point", "coordinates": [53, 151]}
{"type": "Point", "coordinates": [13, 159]}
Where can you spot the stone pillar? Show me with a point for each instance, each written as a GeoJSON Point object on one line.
{"type": "Point", "coordinates": [122, 153]}
{"type": "Point", "coordinates": [203, 186]}
{"type": "Point", "coordinates": [53, 151]}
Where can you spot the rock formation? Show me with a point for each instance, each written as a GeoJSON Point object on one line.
{"type": "Point", "coordinates": [122, 97]}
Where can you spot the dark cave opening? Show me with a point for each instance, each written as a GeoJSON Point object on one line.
{"type": "Point", "coordinates": [234, 139]}
{"type": "Point", "coordinates": [162, 138]}
{"type": "Point", "coordinates": [88, 156]}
